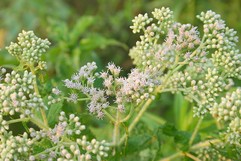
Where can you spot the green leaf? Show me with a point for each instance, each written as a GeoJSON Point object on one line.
{"type": "Point", "coordinates": [169, 129]}
{"type": "Point", "coordinates": [138, 143]}
{"type": "Point", "coordinates": [53, 112]}
{"type": "Point", "coordinates": [94, 41]}
{"type": "Point", "coordinates": [183, 114]}
{"type": "Point", "coordinates": [80, 27]}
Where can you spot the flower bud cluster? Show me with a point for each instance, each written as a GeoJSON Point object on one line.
{"type": "Point", "coordinates": [29, 47]}
{"type": "Point", "coordinates": [211, 153]}
{"type": "Point", "coordinates": [223, 40]}
{"type": "Point", "coordinates": [66, 127]}
{"type": "Point", "coordinates": [3, 125]}
{"type": "Point", "coordinates": [65, 146]}
{"type": "Point", "coordinates": [143, 53]}
{"type": "Point", "coordinates": [180, 41]}
{"type": "Point", "coordinates": [228, 111]}
{"type": "Point", "coordinates": [17, 94]}
{"type": "Point", "coordinates": [55, 96]}
{"type": "Point", "coordinates": [151, 58]}
{"type": "Point", "coordinates": [164, 17]}
{"type": "Point", "coordinates": [216, 34]}
{"type": "Point", "coordinates": [210, 88]}
{"type": "Point", "coordinates": [2, 71]}
{"type": "Point", "coordinates": [99, 148]}
{"type": "Point", "coordinates": [15, 147]}
{"type": "Point", "coordinates": [139, 22]}
{"type": "Point", "coordinates": [204, 89]}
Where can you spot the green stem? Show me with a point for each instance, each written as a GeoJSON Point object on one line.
{"type": "Point", "coordinates": [109, 116]}
{"type": "Point", "coordinates": [128, 116]}
{"type": "Point", "coordinates": [18, 120]}
{"type": "Point", "coordinates": [193, 148]}
{"type": "Point", "coordinates": [37, 92]}
{"type": "Point", "coordinates": [191, 156]}
{"type": "Point", "coordinates": [204, 144]}
{"type": "Point", "coordinates": [173, 156]}
{"type": "Point", "coordinates": [195, 131]}
{"type": "Point", "coordinates": [116, 132]}
{"type": "Point", "coordinates": [137, 118]}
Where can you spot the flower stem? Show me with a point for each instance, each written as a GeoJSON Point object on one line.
{"type": "Point", "coordinates": [193, 148]}
{"type": "Point", "coordinates": [109, 116]}
{"type": "Point", "coordinates": [137, 118]}
{"type": "Point", "coordinates": [18, 120]}
{"type": "Point", "coordinates": [128, 116]}
{"type": "Point", "coordinates": [37, 92]}
{"type": "Point", "coordinates": [116, 132]}
{"type": "Point", "coordinates": [192, 157]}
{"type": "Point", "coordinates": [173, 156]}
{"type": "Point", "coordinates": [195, 131]}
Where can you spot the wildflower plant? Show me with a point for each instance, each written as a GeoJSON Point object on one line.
{"type": "Point", "coordinates": [169, 57]}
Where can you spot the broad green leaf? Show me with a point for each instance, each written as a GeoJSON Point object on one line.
{"type": "Point", "coordinates": [53, 112]}
{"type": "Point", "coordinates": [80, 27]}
{"type": "Point", "coordinates": [138, 142]}
{"type": "Point", "coordinates": [94, 41]}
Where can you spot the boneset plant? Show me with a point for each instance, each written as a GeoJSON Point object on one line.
{"type": "Point", "coordinates": [169, 57]}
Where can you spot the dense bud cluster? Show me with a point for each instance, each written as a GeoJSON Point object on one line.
{"type": "Point", "coordinates": [139, 22]}
{"type": "Point", "coordinates": [29, 47]}
{"type": "Point", "coordinates": [223, 40]}
{"type": "Point", "coordinates": [15, 147]}
{"type": "Point", "coordinates": [212, 153]}
{"type": "Point", "coordinates": [164, 17]}
{"type": "Point", "coordinates": [3, 125]}
{"type": "Point", "coordinates": [17, 94]}
{"type": "Point", "coordinates": [65, 147]}
{"type": "Point", "coordinates": [228, 111]}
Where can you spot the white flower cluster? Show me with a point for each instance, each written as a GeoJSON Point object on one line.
{"type": "Point", "coordinates": [228, 111]}
{"type": "Point", "coordinates": [15, 147]}
{"type": "Point", "coordinates": [183, 37]}
{"type": "Point", "coordinates": [17, 94]}
{"type": "Point", "coordinates": [29, 48]}
{"type": "Point", "coordinates": [136, 88]}
{"type": "Point", "coordinates": [64, 146]}
{"type": "Point", "coordinates": [83, 81]}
